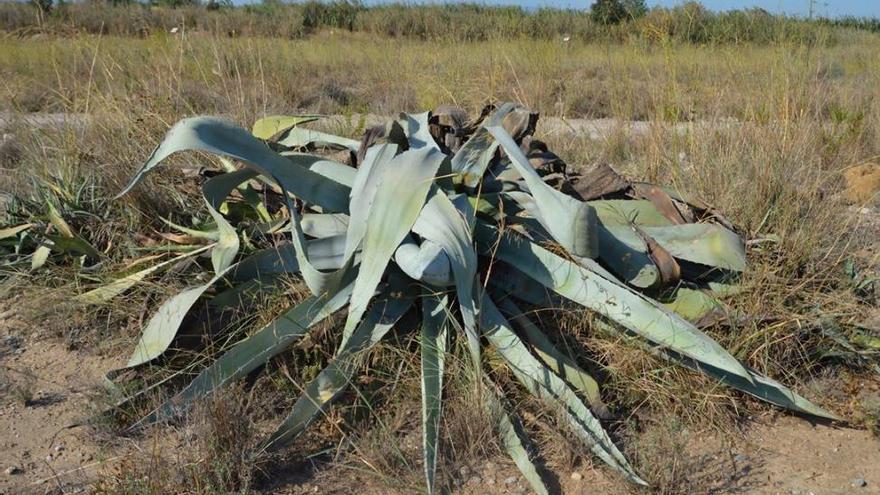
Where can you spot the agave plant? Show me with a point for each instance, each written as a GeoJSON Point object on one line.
{"type": "Point", "coordinates": [461, 223]}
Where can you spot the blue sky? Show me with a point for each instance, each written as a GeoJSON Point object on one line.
{"type": "Point", "coordinates": [827, 8]}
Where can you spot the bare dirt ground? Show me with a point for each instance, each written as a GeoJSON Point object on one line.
{"type": "Point", "coordinates": [777, 454]}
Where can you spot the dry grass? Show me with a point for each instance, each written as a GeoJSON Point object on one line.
{"type": "Point", "coordinates": [786, 122]}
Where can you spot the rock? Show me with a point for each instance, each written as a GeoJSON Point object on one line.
{"type": "Point", "coordinates": [510, 480]}
{"type": "Point", "coordinates": [577, 476]}
{"type": "Point", "coordinates": [474, 481]}
{"type": "Point", "coordinates": [859, 483]}
{"type": "Point", "coordinates": [12, 470]}
{"type": "Point", "coordinates": [59, 448]}
{"type": "Point", "coordinates": [464, 471]}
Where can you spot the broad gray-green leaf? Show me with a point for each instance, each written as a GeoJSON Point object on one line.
{"type": "Point", "coordinates": [561, 364]}
{"type": "Point", "coordinates": [514, 440]}
{"type": "Point", "coordinates": [427, 263]}
{"type": "Point", "coordinates": [223, 138]}
{"type": "Point", "coordinates": [333, 379]}
{"type": "Point", "coordinates": [571, 222]}
{"type": "Point", "coordinates": [472, 159]}
{"type": "Point", "coordinates": [162, 327]}
{"type": "Point", "coordinates": [633, 311]}
{"type": "Point", "coordinates": [703, 243]}
{"type": "Point", "coordinates": [542, 382]}
{"type": "Point", "coordinates": [760, 386]}
{"type": "Point", "coordinates": [322, 225]}
{"type": "Point", "coordinates": [335, 171]}
{"type": "Point", "coordinates": [395, 207]}
{"type": "Point", "coordinates": [325, 254]}
{"type": "Point", "coordinates": [252, 352]}
{"type": "Point", "coordinates": [417, 131]}
{"type": "Point", "coordinates": [377, 162]}
{"type": "Point", "coordinates": [435, 315]}
{"type": "Point", "coordinates": [442, 223]}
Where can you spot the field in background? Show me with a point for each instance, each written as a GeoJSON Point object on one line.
{"type": "Point", "coordinates": [776, 127]}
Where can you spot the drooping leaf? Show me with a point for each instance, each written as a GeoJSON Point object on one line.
{"type": "Point", "coordinates": [542, 382]}
{"type": "Point", "coordinates": [631, 310]}
{"type": "Point", "coordinates": [442, 223]}
{"type": "Point", "coordinates": [333, 379]}
{"type": "Point", "coordinates": [435, 313]}
{"type": "Point", "coordinates": [223, 138]}
{"type": "Point", "coordinates": [561, 364]}
{"type": "Point", "coordinates": [571, 222]}
{"type": "Point", "coordinates": [253, 351]}
{"type": "Point", "coordinates": [393, 212]}
{"type": "Point", "coordinates": [514, 440]}
{"type": "Point", "coordinates": [162, 327]}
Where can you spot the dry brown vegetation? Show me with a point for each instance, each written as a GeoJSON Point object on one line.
{"type": "Point", "coordinates": [776, 128]}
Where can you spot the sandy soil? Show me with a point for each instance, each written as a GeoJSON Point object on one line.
{"type": "Point", "coordinates": [777, 455]}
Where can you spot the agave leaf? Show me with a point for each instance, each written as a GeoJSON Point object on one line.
{"type": "Point", "coordinates": [474, 157]}
{"type": "Point", "coordinates": [299, 137]}
{"type": "Point", "coordinates": [704, 243]}
{"type": "Point", "coordinates": [325, 254]}
{"type": "Point", "coordinates": [268, 127]}
{"type": "Point", "coordinates": [441, 222]}
{"type": "Point", "coordinates": [109, 291]}
{"type": "Point", "coordinates": [417, 131]}
{"type": "Point", "coordinates": [252, 352]}
{"type": "Point", "coordinates": [223, 138]}
{"type": "Point", "coordinates": [333, 379]}
{"type": "Point", "coordinates": [514, 439]}
{"type": "Point", "coordinates": [623, 212]}
{"type": "Point", "coordinates": [377, 162]}
{"type": "Point", "coordinates": [162, 327]}
{"type": "Point", "coordinates": [335, 171]}
{"type": "Point", "coordinates": [760, 386]}
{"type": "Point", "coordinates": [395, 207]}
{"type": "Point", "coordinates": [692, 304]}
{"type": "Point", "coordinates": [561, 364]}
{"type": "Point", "coordinates": [13, 231]}
{"type": "Point", "coordinates": [630, 261]}
{"type": "Point", "coordinates": [435, 315]}
{"type": "Point", "coordinates": [542, 382]}
{"type": "Point", "coordinates": [633, 311]}
{"type": "Point", "coordinates": [571, 222]}
{"type": "Point", "coordinates": [226, 248]}
{"type": "Point", "coordinates": [322, 225]}
{"type": "Point", "coordinates": [426, 263]}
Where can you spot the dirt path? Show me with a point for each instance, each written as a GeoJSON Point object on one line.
{"type": "Point", "coordinates": [786, 455]}
{"type": "Point", "coordinates": [47, 387]}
